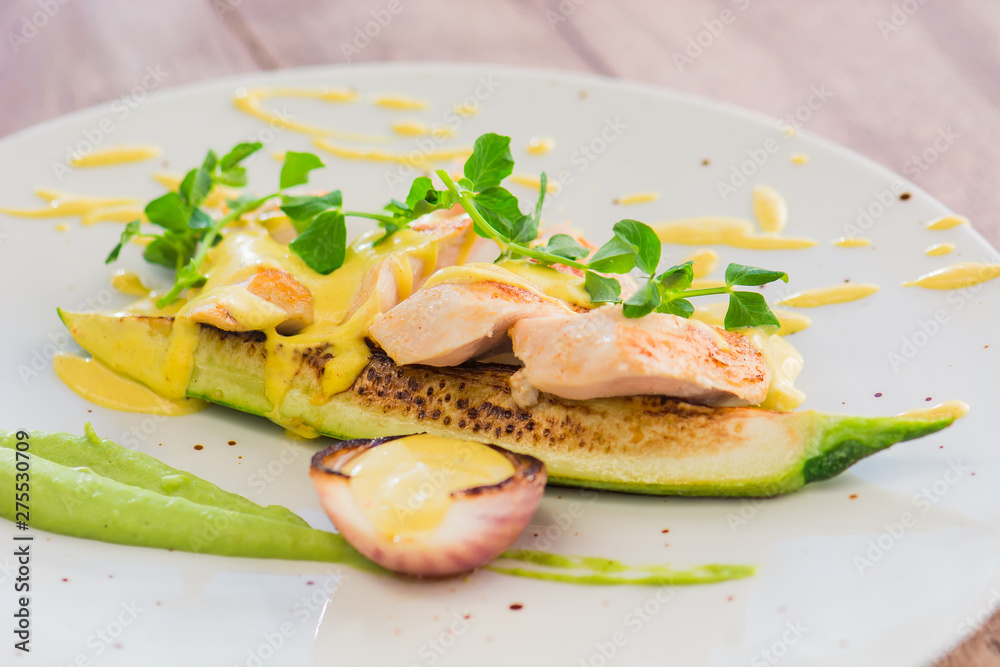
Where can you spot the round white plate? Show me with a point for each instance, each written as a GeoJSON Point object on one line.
{"type": "Point", "coordinates": [841, 581]}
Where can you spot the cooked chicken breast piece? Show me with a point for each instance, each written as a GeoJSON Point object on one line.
{"type": "Point", "coordinates": [449, 323]}
{"type": "Point", "coordinates": [602, 353]}
{"type": "Point", "coordinates": [396, 276]}
{"type": "Point", "coordinates": [269, 298]}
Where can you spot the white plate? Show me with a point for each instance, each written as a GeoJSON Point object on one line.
{"type": "Point", "coordinates": [813, 601]}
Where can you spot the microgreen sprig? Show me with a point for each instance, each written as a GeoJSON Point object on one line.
{"type": "Point", "coordinates": [189, 232]}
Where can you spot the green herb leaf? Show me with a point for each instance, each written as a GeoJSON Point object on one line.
{"type": "Point", "coordinates": [601, 288]}
{"type": "Point", "coordinates": [306, 207]}
{"type": "Point", "coordinates": [739, 274]}
{"type": "Point", "coordinates": [645, 300]}
{"type": "Point", "coordinates": [679, 307]}
{"type": "Point", "coordinates": [187, 277]}
{"type": "Point", "coordinates": [199, 220]}
{"type": "Point", "coordinates": [748, 309]}
{"type": "Point", "coordinates": [419, 189]}
{"type": "Point", "coordinates": [198, 182]}
{"type": "Point", "coordinates": [524, 229]}
{"type": "Point", "coordinates": [644, 240]}
{"type": "Point", "coordinates": [169, 212]}
{"type": "Point", "coordinates": [615, 256]}
{"type": "Point", "coordinates": [490, 162]}
{"type": "Point", "coordinates": [677, 278]}
{"type": "Point", "coordinates": [323, 246]}
{"type": "Point", "coordinates": [567, 247]}
{"type": "Point", "coordinates": [239, 153]}
{"type": "Point", "coordinates": [131, 230]}
{"type": "Point", "coordinates": [543, 187]}
{"type": "Point", "coordinates": [295, 170]}
{"type": "Point", "coordinates": [500, 208]}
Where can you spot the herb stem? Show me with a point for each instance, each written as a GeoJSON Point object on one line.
{"type": "Point", "coordinates": [704, 292]}
{"type": "Point", "coordinates": [372, 216]}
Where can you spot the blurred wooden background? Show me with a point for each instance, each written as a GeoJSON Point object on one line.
{"type": "Point", "coordinates": [900, 71]}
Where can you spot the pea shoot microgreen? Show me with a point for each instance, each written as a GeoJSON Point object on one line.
{"type": "Point", "coordinates": [189, 232]}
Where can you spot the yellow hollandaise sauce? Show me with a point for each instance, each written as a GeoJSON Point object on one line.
{"type": "Point", "coordinates": [851, 242]}
{"type": "Point", "coordinates": [705, 262]}
{"type": "Point", "coordinates": [128, 282]}
{"type": "Point", "coordinates": [414, 158]}
{"type": "Point", "coordinates": [102, 386]}
{"type": "Point", "coordinates": [715, 314]}
{"type": "Point", "coordinates": [400, 102]}
{"type": "Point", "coordinates": [799, 158]}
{"type": "Point", "coordinates": [542, 281]}
{"type": "Point", "coordinates": [770, 209]}
{"type": "Point", "coordinates": [251, 101]}
{"type": "Point", "coordinates": [947, 222]}
{"type": "Point", "coordinates": [735, 232]}
{"type": "Point", "coordinates": [826, 296]}
{"type": "Point", "coordinates": [64, 204]}
{"type": "Point", "coordinates": [541, 145]}
{"type": "Point", "coordinates": [636, 198]}
{"type": "Point", "coordinates": [409, 127]}
{"type": "Point", "coordinates": [419, 473]}
{"type": "Point", "coordinates": [159, 353]}
{"type": "Point", "coordinates": [534, 182]}
{"type": "Point", "coordinates": [103, 157]}
{"type": "Point", "coordinates": [939, 249]}
{"type": "Point", "coordinates": [964, 274]}
{"type": "Point", "coordinates": [956, 409]}
{"type": "Point", "coordinates": [466, 110]}
{"type": "Point", "coordinates": [785, 364]}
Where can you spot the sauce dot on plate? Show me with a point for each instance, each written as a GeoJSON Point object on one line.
{"type": "Point", "coordinates": [199, 447]}
{"type": "Point", "coordinates": [517, 606]}
{"type": "Point", "coordinates": [232, 443]}
{"type": "Point", "coordinates": [878, 394]}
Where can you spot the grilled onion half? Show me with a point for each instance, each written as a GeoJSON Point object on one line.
{"type": "Point", "coordinates": [426, 505]}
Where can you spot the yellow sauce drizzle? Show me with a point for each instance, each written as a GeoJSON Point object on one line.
{"type": "Point", "coordinates": [62, 227]}
{"type": "Point", "coordinates": [955, 276]}
{"type": "Point", "coordinates": [102, 386]}
{"type": "Point", "coordinates": [826, 296]}
{"type": "Point", "coordinates": [64, 204]}
{"type": "Point", "coordinates": [128, 282]}
{"type": "Point", "coordinates": [414, 158]}
{"type": "Point", "coordinates": [103, 157]}
{"type": "Point", "coordinates": [466, 110]}
{"type": "Point", "coordinates": [939, 249]}
{"type": "Point", "coordinates": [770, 209]}
{"type": "Point", "coordinates": [113, 214]}
{"type": "Point", "coordinates": [956, 409]}
{"type": "Point", "coordinates": [252, 102]}
{"type": "Point", "coordinates": [533, 182]}
{"type": "Point", "coordinates": [705, 261]}
{"type": "Point", "coordinates": [404, 486]}
{"type": "Point", "coordinates": [715, 314]}
{"type": "Point", "coordinates": [851, 242]}
{"type": "Point", "coordinates": [541, 145]}
{"type": "Point", "coordinates": [799, 158]}
{"type": "Point", "coordinates": [636, 198]}
{"type": "Point", "coordinates": [785, 364]}
{"type": "Point", "coordinates": [735, 232]}
{"type": "Point", "coordinates": [411, 128]}
{"type": "Point", "coordinates": [400, 102]}
{"type": "Point", "coordinates": [947, 222]}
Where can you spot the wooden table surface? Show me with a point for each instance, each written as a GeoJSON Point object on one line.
{"type": "Point", "coordinates": [900, 71]}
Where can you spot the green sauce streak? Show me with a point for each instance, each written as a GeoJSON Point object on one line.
{"type": "Point", "coordinates": [607, 572]}
{"type": "Point", "coordinates": [89, 487]}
